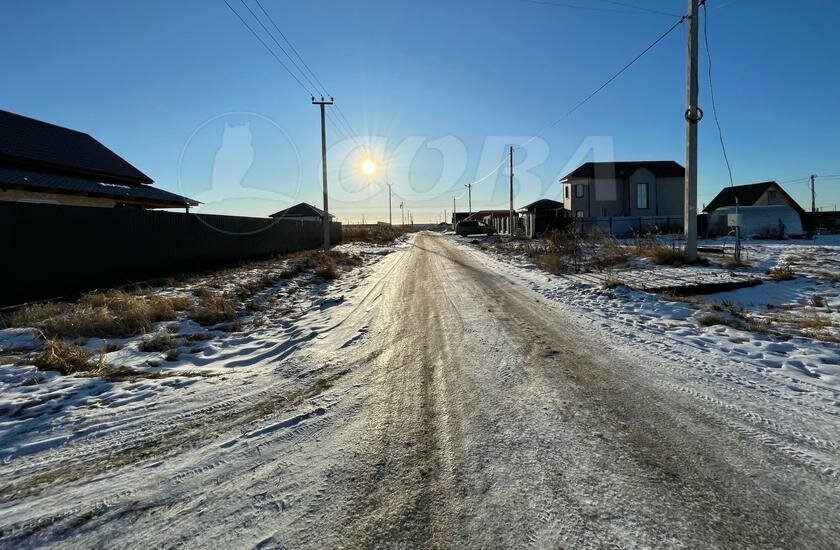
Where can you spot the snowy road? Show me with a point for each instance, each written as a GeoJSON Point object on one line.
{"type": "Point", "coordinates": [446, 404]}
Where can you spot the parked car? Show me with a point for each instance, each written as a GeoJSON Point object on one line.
{"type": "Point", "coordinates": [465, 228]}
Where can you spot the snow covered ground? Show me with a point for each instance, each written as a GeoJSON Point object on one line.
{"type": "Point", "coordinates": [801, 361]}
{"type": "Point", "coordinates": [436, 390]}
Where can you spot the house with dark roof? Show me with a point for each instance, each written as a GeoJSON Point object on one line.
{"type": "Point", "coordinates": [763, 209]}
{"type": "Point", "coordinates": [302, 212]}
{"type": "Point", "coordinates": [44, 163]}
{"type": "Point", "coordinates": [632, 189]}
{"type": "Point", "coordinates": [542, 216]}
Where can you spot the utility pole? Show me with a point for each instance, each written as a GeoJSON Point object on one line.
{"type": "Point", "coordinates": [511, 192]}
{"type": "Point", "coordinates": [692, 117]}
{"type": "Point", "coordinates": [454, 213]}
{"type": "Point", "coordinates": [469, 197]}
{"type": "Point", "coordinates": [813, 193]}
{"type": "Point", "coordinates": [390, 219]}
{"type": "Point", "coordinates": [402, 212]}
{"type": "Point", "coordinates": [326, 220]}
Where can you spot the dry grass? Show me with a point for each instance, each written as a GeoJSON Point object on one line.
{"type": "Point", "coordinates": [67, 359]}
{"type": "Point", "coordinates": [712, 318]}
{"type": "Point", "coordinates": [113, 313]}
{"type": "Point", "coordinates": [611, 283]}
{"type": "Point", "coordinates": [817, 300]}
{"type": "Point", "coordinates": [161, 341]}
{"type": "Point", "coordinates": [732, 263]}
{"type": "Point", "coordinates": [324, 263]}
{"type": "Point", "coordinates": [379, 234]}
{"type": "Point", "coordinates": [781, 273]}
{"type": "Point", "coordinates": [213, 308]}
{"type": "Point", "coordinates": [662, 255]}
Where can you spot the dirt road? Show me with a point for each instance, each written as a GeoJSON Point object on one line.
{"type": "Point", "coordinates": [455, 408]}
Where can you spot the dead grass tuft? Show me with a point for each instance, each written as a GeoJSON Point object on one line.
{"type": "Point", "coordinates": [712, 318]}
{"type": "Point", "coordinates": [781, 273]}
{"type": "Point", "coordinates": [817, 300]}
{"type": "Point", "coordinates": [662, 255]}
{"type": "Point", "coordinates": [213, 308]}
{"type": "Point", "coordinates": [161, 341]}
{"type": "Point", "coordinates": [67, 359]}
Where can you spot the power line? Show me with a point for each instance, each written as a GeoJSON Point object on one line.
{"type": "Point", "coordinates": [712, 93]}
{"type": "Point", "coordinates": [257, 36]}
{"type": "Point", "coordinates": [292, 46]}
{"type": "Point", "coordinates": [282, 49]}
{"type": "Point", "coordinates": [586, 8]}
{"type": "Point", "coordinates": [583, 101]}
{"type": "Point", "coordinates": [642, 8]}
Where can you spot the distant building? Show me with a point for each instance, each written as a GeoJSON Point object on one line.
{"type": "Point", "coordinates": [542, 216]}
{"type": "Point", "coordinates": [45, 163]}
{"type": "Point", "coordinates": [765, 209]}
{"type": "Point", "coordinates": [625, 189]}
{"type": "Point", "coordinates": [497, 219]}
{"type": "Point", "coordinates": [302, 212]}
{"type": "Point", "coordinates": [458, 216]}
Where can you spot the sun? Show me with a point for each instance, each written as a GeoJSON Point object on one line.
{"type": "Point", "coordinates": [368, 167]}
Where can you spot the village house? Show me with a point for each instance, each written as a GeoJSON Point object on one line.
{"type": "Point", "coordinates": [49, 164]}
{"type": "Point", "coordinates": [302, 212]}
{"type": "Point", "coordinates": [615, 189]}
{"type": "Point", "coordinates": [764, 209]}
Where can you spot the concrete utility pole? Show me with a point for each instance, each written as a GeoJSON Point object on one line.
{"type": "Point", "coordinates": [402, 212]}
{"type": "Point", "coordinates": [692, 117]}
{"type": "Point", "coordinates": [813, 193]}
{"type": "Point", "coordinates": [326, 220]}
{"type": "Point", "coordinates": [511, 192]}
{"type": "Point", "coordinates": [390, 219]}
{"type": "Point", "coordinates": [454, 213]}
{"type": "Point", "coordinates": [469, 197]}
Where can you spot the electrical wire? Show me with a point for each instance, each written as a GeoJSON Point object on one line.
{"type": "Point", "coordinates": [586, 99]}
{"type": "Point", "coordinates": [292, 46]}
{"type": "Point", "coordinates": [587, 8]}
{"type": "Point", "coordinates": [257, 36]}
{"type": "Point", "coordinates": [282, 49]}
{"type": "Point", "coordinates": [641, 8]}
{"type": "Point", "coordinates": [712, 93]}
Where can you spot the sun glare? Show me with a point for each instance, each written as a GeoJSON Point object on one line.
{"type": "Point", "coordinates": [368, 167]}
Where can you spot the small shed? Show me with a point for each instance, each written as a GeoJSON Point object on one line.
{"type": "Point", "coordinates": [542, 216]}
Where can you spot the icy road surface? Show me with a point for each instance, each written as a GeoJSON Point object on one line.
{"type": "Point", "coordinates": [446, 403]}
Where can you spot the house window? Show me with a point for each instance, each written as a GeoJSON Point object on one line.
{"type": "Point", "coordinates": [771, 195]}
{"type": "Point", "coordinates": [578, 213]}
{"type": "Point", "coordinates": [641, 196]}
{"type": "Point", "coordinates": [567, 191]}
{"type": "Point", "coordinates": [578, 190]}
{"type": "Point", "coordinates": [603, 211]}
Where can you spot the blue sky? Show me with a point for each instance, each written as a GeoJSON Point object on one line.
{"type": "Point", "coordinates": [436, 89]}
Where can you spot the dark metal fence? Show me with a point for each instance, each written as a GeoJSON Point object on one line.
{"type": "Point", "coordinates": [51, 250]}
{"type": "Point", "coordinates": [625, 226]}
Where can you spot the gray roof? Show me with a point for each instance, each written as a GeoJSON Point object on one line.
{"type": "Point", "coordinates": [747, 195]}
{"type": "Point", "coordinates": [36, 144]}
{"type": "Point", "coordinates": [660, 169]}
{"type": "Point", "coordinates": [300, 210]}
{"type": "Point", "coordinates": [19, 178]}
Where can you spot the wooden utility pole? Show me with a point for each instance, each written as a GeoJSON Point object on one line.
{"type": "Point", "coordinates": [692, 117]}
{"type": "Point", "coordinates": [469, 198]}
{"type": "Point", "coordinates": [510, 221]}
{"type": "Point", "coordinates": [813, 193]}
{"type": "Point", "coordinates": [322, 103]}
